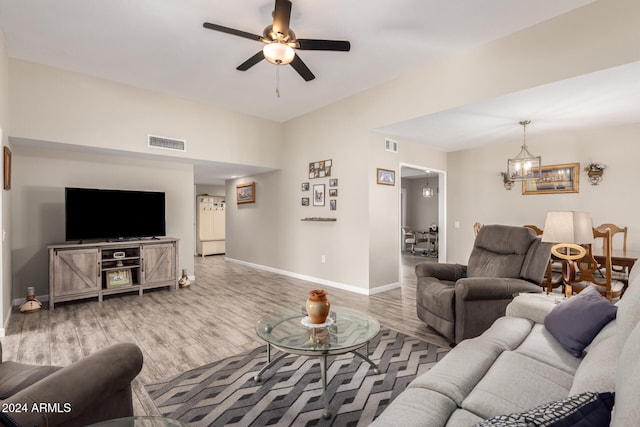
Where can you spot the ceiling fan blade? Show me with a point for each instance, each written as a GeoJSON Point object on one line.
{"type": "Point", "coordinates": [281, 17]}
{"type": "Point", "coordinates": [302, 68]}
{"type": "Point", "coordinates": [313, 44]}
{"type": "Point", "coordinates": [232, 31]}
{"type": "Point", "coordinates": [251, 61]}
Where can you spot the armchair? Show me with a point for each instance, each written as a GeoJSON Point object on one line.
{"type": "Point", "coordinates": [462, 301]}
{"type": "Point", "coordinates": [93, 389]}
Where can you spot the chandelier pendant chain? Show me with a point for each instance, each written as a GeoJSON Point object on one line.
{"type": "Point", "coordinates": [278, 80]}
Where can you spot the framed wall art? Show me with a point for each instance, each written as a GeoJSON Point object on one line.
{"type": "Point", "coordinates": [386, 177]}
{"type": "Point", "coordinates": [333, 192]}
{"type": "Point", "coordinates": [333, 182]}
{"type": "Point", "coordinates": [554, 179]}
{"type": "Point", "coordinates": [305, 201]}
{"type": "Point", "coordinates": [320, 169]}
{"type": "Point", "coordinates": [7, 168]}
{"type": "Point", "coordinates": [118, 278]}
{"type": "Point", "coordinates": [246, 193]}
{"type": "Point", "coordinates": [305, 186]}
{"type": "Point", "coordinates": [332, 204]}
{"type": "Point", "coordinates": [318, 195]}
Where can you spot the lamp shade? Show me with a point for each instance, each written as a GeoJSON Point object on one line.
{"type": "Point", "coordinates": [568, 227]}
{"type": "Point", "coordinates": [278, 53]}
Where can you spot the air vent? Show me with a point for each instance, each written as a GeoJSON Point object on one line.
{"type": "Point", "coordinates": [390, 145]}
{"type": "Point", "coordinates": [166, 143]}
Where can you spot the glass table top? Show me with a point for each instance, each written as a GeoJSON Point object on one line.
{"type": "Point", "coordinates": [346, 330]}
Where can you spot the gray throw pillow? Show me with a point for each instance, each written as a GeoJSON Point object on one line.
{"type": "Point", "coordinates": [576, 321]}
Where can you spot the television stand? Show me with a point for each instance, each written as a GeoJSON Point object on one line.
{"type": "Point", "coordinates": [89, 270]}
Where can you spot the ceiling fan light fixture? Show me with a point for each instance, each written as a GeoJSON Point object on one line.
{"type": "Point", "coordinates": [278, 53]}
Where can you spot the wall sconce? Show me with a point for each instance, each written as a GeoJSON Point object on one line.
{"type": "Point", "coordinates": [595, 172]}
{"type": "Point", "coordinates": [508, 183]}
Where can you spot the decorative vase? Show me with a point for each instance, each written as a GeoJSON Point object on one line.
{"type": "Point", "coordinates": [318, 306]}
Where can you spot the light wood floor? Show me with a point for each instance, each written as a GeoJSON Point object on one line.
{"type": "Point", "coordinates": [178, 330]}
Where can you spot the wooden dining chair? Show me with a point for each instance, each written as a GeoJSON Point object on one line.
{"type": "Point", "coordinates": [617, 272]}
{"type": "Point", "coordinates": [588, 271]}
{"type": "Point", "coordinates": [553, 276]}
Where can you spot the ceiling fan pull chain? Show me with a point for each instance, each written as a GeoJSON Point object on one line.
{"type": "Point", "coordinates": [278, 80]}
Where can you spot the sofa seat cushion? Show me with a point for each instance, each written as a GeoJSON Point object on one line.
{"type": "Point", "coordinates": [416, 406]}
{"type": "Point", "coordinates": [462, 417]}
{"type": "Point", "coordinates": [542, 346]}
{"type": "Point", "coordinates": [464, 366]}
{"type": "Point", "coordinates": [18, 376]}
{"type": "Point", "coordinates": [503, 390]}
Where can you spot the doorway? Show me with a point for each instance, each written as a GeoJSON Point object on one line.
{"type": "Point", "coordinates": [423, 210]}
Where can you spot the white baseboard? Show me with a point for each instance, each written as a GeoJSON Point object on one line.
{"type": "Point", "coordinates": [337, 285]}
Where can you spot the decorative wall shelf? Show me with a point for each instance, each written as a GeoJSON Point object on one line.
{"type": "Point", "coordinates": [319, 219]}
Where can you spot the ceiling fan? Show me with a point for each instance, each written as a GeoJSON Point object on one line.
{"type": "Point", "coordinates": [280, 42]}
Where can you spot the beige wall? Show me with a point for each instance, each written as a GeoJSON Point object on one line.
{"type": "Point", "coordinates": [361, 247]}
{"type": "Point", "coordinates": [479, 195]}
{"type": "Point", "coordinates": [40, 176]}
{"type": "Point", "coordinates": [5, 200]}
{"type": "Point", "coordinates": [49, 104]}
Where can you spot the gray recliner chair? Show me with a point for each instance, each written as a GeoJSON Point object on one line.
{"type": "Point", "coordinates": [93, 389]}
{"type": "Point", "coordinates": [463, 301]}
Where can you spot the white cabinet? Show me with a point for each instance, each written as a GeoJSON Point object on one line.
{"type": "Point", "coordinates": [210, 225]}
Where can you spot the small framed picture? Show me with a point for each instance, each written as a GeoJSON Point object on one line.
{"type": "Point", "coordinates": [7, 168]}
{"type": "Point", "coordinates": [118, 278]}
{"type": "Point", "coordinates": [246, 193]}
{"type": "Point", "coordinates": [305, 201]}
{"type": "Point", "coordinates": [333, 182]}
{"type": "Point", "coordinates": [333, 192]}
{"type": "Point", "coordinates": [386, 177]}
{"type": "Point", "coordinates": [332, 204]}
{"type": "Point", "coordinates": [318, 195]}
{"type": "Point", "coordinates": [305, 186]}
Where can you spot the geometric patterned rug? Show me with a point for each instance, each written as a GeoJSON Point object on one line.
{"type": "Point", "coordinates": [224, 393]}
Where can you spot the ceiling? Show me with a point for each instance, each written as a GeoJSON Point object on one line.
{"type": "Point", "coordinates": [161, 45]}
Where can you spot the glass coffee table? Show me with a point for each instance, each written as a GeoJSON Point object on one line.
{"type": "Point", "coordinates": [345, 331]}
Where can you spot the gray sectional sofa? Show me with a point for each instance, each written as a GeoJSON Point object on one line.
{"type": "Point", "coordinates": [517, 365]}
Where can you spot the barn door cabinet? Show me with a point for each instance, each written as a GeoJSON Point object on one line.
{"type": "Point", "coordinates": [89, 270]}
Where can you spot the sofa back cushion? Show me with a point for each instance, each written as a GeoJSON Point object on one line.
{"type": "Point", "coordinates": [629, 308]}
{"type": "Point", "coordinates": [535, 263]}
{"type": "Point", "coordinates": [627, 410]}
{"type": "Point", "coordinates": [500, 251]}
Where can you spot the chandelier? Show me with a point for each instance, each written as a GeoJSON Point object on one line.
{"type": "Point", "coordinates": [426, 190]}
{"type": "Point", "coordinates": [525, 165]}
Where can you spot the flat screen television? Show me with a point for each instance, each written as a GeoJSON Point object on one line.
{"type": "Point", "coordinates": [97, 214]}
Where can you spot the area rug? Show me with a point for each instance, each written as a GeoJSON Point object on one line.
{"type": "Point", "coordinates": [224, 393]}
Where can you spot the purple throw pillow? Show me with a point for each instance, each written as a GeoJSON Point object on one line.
{"type": "Point", "coordinates": [576, 321]}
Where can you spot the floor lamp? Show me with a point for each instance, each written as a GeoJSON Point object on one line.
{"type": "Point", "coordinates": [568, 230]}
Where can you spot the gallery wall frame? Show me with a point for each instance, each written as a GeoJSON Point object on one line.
{"type": "Point", "coordinates": [318, 194]}
{"type": "Point", "coordinates": [554, 179]}
{"type": "Point", "coordinates": [7, 168]}
{"type": "Point", "coordinates": [320, 169]}
{"type": "Point", "coordinates": [385, 177]}
{"type": "Point", "coordinates": [246, 193]}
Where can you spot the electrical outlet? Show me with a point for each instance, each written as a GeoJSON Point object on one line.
{"type": "Point", "coordinates": [323, 259]}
